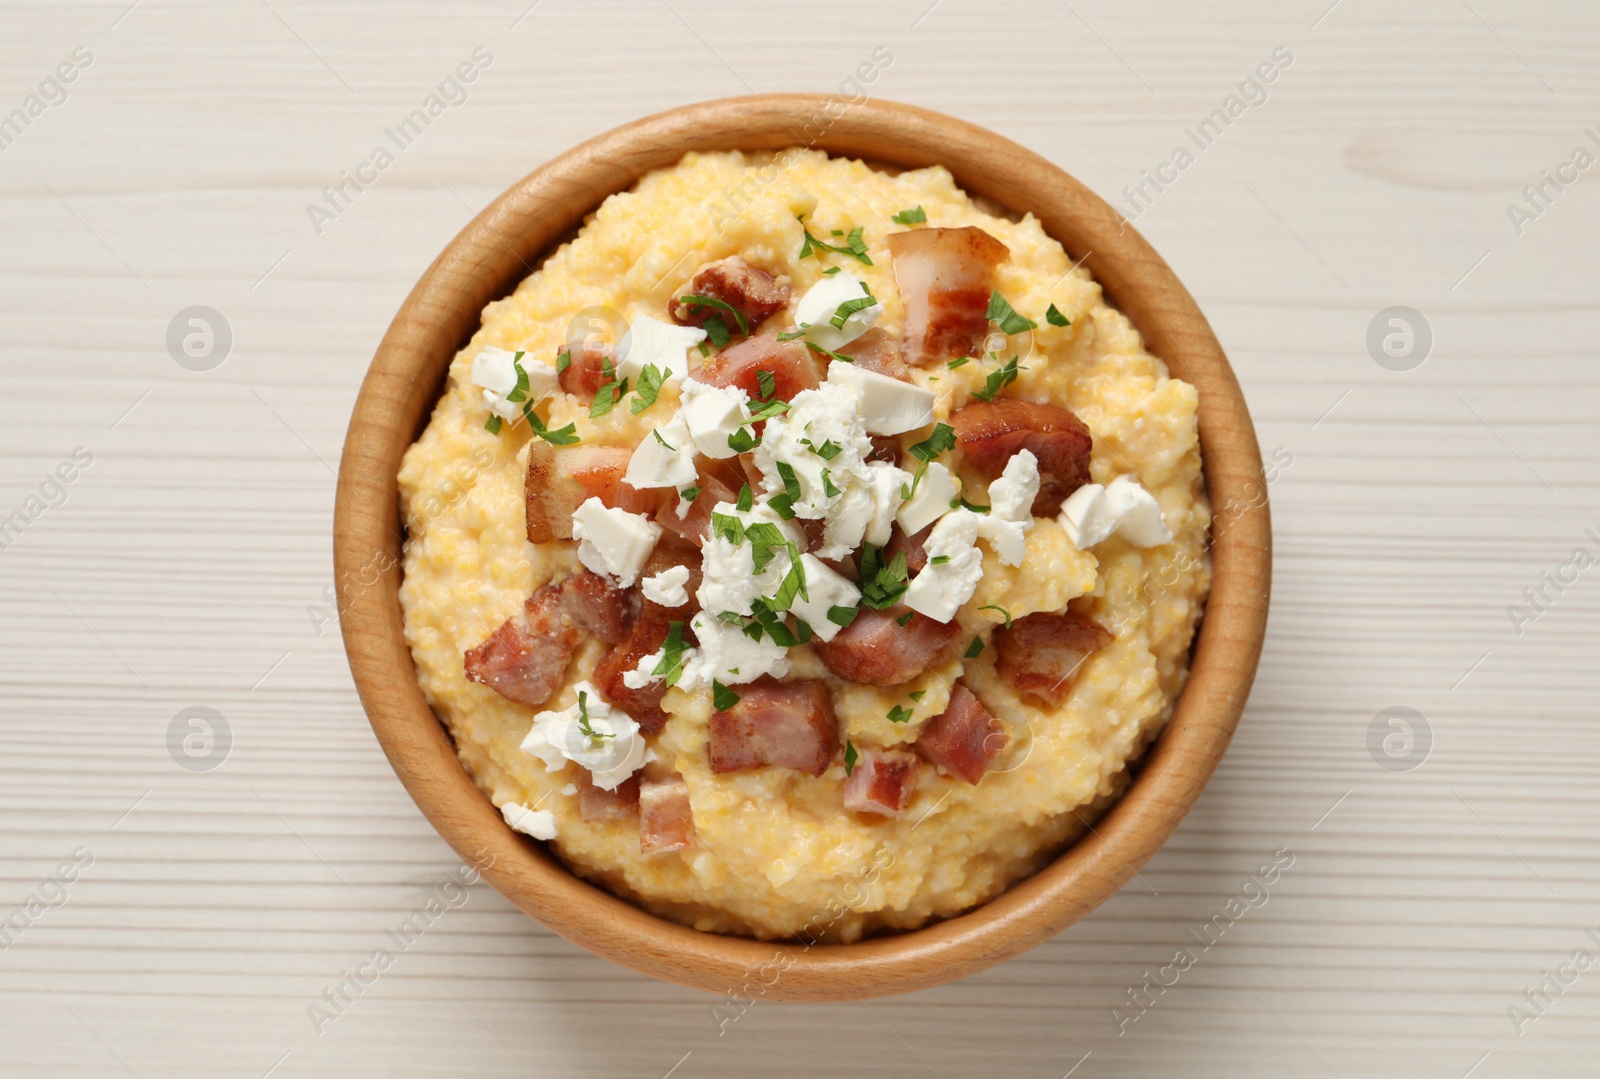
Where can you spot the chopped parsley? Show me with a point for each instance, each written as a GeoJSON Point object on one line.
{"type": "Point", "coordinates": [830, 271]}
{"type": "Point", "coordinates": [850, 756]}
{"type": "Point", "coordinates": [820, 351]}
{"type": "Point", "coordinates": [746, 499]}
{"type": "Point", "coordinates": [671, 666]}
{"type": "Point", "coordinates": [854, 246]}
{"type": "Point", "coordinates": [827, 451]}
{"type": "Point", "coordinates": [583, 719]}
{"type": "Point", "coordinates": [606, 397]}
{"type": "Point", "coordinates": [1054, 317]}
{"type": "Point", "coordinates": [899, 714]}
{"type": "Point", "coordinates": [1002, 610]}
{"type": "Point", "coordinates": [563, 361]}
{"type": "Point", "coordinates": [998, 380]}
{"type": "Point", "coordinates": [960, 502]}
{"type": "Point", "coordinates": [905, 618]}
{"type": "Point", "coordinates": [710, 301]}
{"type": "Point", "coordinates": [765, 542]}
{"type": "Point", "coordinates": [917, 695]}
{"type": "Point", "coordinates": [850, 307]}
{"type": "Point", "coordinates": [914, 216]}
{"type": "Point", "coordinates": [794, 585]}
{"type": "Point", "coordinates": [768, 409]}
{"type": "Point", "coordinates": [961, 362]}
{"type": "Point", "coordinates": [649, 387]}
{"type": "Point", "coordinates": [942, 440]}
{"type": "Point", "coordinates": [1002, 312]}
{"type": "Point", "coordinates": [828, 487]}
{"type": "Point", "coordinates": [791, 482]}
{"type": "Point", "coordinates": [938, 560]}
{"type": "Point", "coordinates": [564, 436]}
{"type": "Point", "coordinates": [670, 447]}
{"type": "Point", "coordinates": [975, 649]}
{"type": "Point", "coordinates": [767, 381]}
{"type": "Point", "coordinates": [717, 331]}
{"type": "Point", "coordinates": [689, 494]}
{"type": "Point", "coordinates": [843, 616]}
{"type": "Point", "coordinates": [729, 528]}
{"type": "Point", "coordinates": [799, 331]}
{"type": "Point", "coordinates": [723, 697]}
{"type": "Point", "coordinates": [742, 441]}
{"type": "Point", "coordinates": [882, 584]}
{"type": "Point", "coordinates": [493, 425]}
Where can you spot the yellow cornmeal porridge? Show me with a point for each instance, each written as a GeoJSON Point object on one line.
{"type": "Point", "coordinates": [775, 852]}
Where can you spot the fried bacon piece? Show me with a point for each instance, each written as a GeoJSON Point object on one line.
{"type": "Point", "coordinates": [876, 351]}
{"type": "Point", "coordinates": [790, 362]}
{"type": "Point", "coordinates": [877, 650]}
{"type": "Point", "coordinates": [751, 292]}
{"type": "Point", "coordinates": [990, 432]}
{"type": "Point", "coordinates": [945, 277]}
{"type": "Point", "coordinates": [782, 724]}
{"type": "Point", "coordinates": [965, 738]}
{"type": "Point", "coordinates": [715, 487]}
{"type": "Point", "coordinates": [1040, 654]}
{"type": "Point", "coordinates": [645, 637]}
{"type": "Point", "coordinates": [561, 480]}
{"type": "Point", "coordinates": [597, 804]}
{"type": "Point", "coordinates": [911, 546]}
{"type": "Point", "coordinates": [589, 369]}
{"type": "Point", "coordinates": [666, 820]}
{"type": "Point", "coordinates": [525, 658]}
{"type": "Point", "coordinates": [881, 782]}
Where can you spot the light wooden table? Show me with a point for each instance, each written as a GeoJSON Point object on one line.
{"type": "Point", "coordinates": [188, 564]}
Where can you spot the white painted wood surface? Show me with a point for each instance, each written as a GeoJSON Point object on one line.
{"type": "Point", "coordinates": [188, 562]}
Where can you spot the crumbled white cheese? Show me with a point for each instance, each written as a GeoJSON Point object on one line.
{"type": "Point", "coordinates": [613, 542]}
{"type": "Point", "coordinates": [539, 823]}
{"type": "Point", "coordinates": [1010, 515]}
{"type": "Point", "coordinates": [887, 405]}
{"type": "Point", "coordinates": [820, 304]}
{"type": "Point", "coordinates": [930, 501]}
{"type": "Point", "coordinates": [826, 589]}
{"type": "Point", "coordinates": [1092, 513]}
{"type": "Point", "coordinates": [847, 521]}
{"type": "Point", "coordinates": [713, 413]}
{"type": "Point", "coordinates": [649, 341]}
{"type": "Point", "coordinates": [727, 655]}
{"type": "Point", "coordinates": [886, 484]}
{"type": "Point", "coordinates": [666, 587]}
{"type": "Point", "coordinates": [611, 754]}
{"type": "Point", "coordinates": [942, 587]}
{"type": "Point", "coordinates": [728, 579]}
{"type": "Point", "coordinates": [495, 370]}
{"type": "Point", "coordinates": [664, 461]}
{"type": "Point", "coordinates": [815, 418]}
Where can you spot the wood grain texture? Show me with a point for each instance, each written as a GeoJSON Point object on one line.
{"type": "Point", "coordinates": [486, 261]}
{"type": "Point", "coordinates": [1417, 507]}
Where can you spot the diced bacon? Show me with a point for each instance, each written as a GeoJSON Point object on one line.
{"type": "Point", "coordinates": [991, 432]}
{"type": "Point", "coordinates": [877, 650]}
{"type": "Point", "coordinates": [965, 738]}
{"type": "Point", "coordinates": [782, 724]}
{"type": "Point", "coordinates": [945, 277]}
{"type": "Point", "coordinates": [648, 632]}
{"type": "Point", "coordinates": [876, 351]}
{"type": "Point", "coordinates": [596, 607]}
{"type": "Point", "coordinates": [1040, 655]}
{"type": "Point", "coordinates": [694, 525]}
{"type": "Point", "coordinates": [790, 362]}
{"type": "Point", "coordinates": [666, 820]}
{"type": "Point", "coordinates": [525, 658]}
{"type": "Point", "coordinates": [911, 546]}
{"type": "Point", "coordinates": [881, 782]}
{"type": "Point", "coordinates": [588, 370]}
{"type": "Point", "coordinates": [751, 292]}
{"type": "Point", "coordinates": [596, 804]}
{"type": "Point", "coordinates": [671, 552]}
{"type": "Point", "coordinates": [885, 448]}
{"type": "Point", "coordinates": [560, 480]}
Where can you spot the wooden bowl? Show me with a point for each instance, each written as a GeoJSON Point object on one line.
{"type": "Point", "coordinates": [486, 261]}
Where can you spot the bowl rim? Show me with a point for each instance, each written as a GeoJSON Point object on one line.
{"type": "Point", "coordinates": [487, 260]}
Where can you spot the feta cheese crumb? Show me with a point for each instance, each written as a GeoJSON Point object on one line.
{"type": "Point", "coordinates": [495, 370]}
{"type": "Point", "coordinates": [666, 587]}
{"type": "Point", "coordinates": [729, 656]}
{"type": "Point", "coordinates": [613, 542]}
{"type": "Point", "coordinates": [817, 307]}
{"type": "Point", "coordinates": [712, 414]}
{"type": "Point", "coordinates": [940, 589]}
{"type": "Point", "coordinates": [888, 406]}
{"type": "Point", "coordinates": [663, 459]}
{"type": "Point", "coordinates": [728, 578]}
{"type": "Point", "coordinates": [930, 501]}
{"type": "Point", "coordinates": [885, 482]}
{"type": "Point", "coordinates": [1093, 513]}
{"type": "Point", "coordinates": [613, 753]}
{"type": "Point", "coordinates": [815, 418]}
{"type": "Point", "coordinates": [539, 823]}
{"type": "Point", "coordinates": [826, 589]}
{"type": "Point", "coordinates": [1010, 515]}
{"type": "Point", "coordinates": [650, 341]}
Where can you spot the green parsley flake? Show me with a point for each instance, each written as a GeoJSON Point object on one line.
{"type": "Point", "coordinates": [723, 697]}
{"type": "Point", "coordinates": [820, 351]}
{"type": "Point", "coordinates": [828, 487]}
{"type": "Point", "coordinates": [850, 757]}
{"type": "Point", "coordinates": [998, 380]}
{"type": "Point", "coordinates": [689, 494]}
{"type": "Point", "coordinates": [882, 584]}
{"type": "Point", "coordinates": [975, 649]}
{"type": "Point", "coordinates": [648, 389]}
{"type": "Point", "coordinates": [767, 381]}
{"type": "Point", "coordinates": [493, 425]}
{"type": "Point", "coordinates": [747, 499]}
{"type": "Point", "coordinates": [791, 482]}
{"type": "Point", "coordinates": [917, 695]}
{"type": "Point", "coordinates": [709, 301]}
{"type": "Point", "coordinates": [716, 331]}
{"type": "Point", "coordinates": [1002, 312]}
{"type": "Point", "coordinates": [914, 216]}
{"type": "Point", "coordinates": [942, 440]}
{"type": "Point", "coordinates": [1054, 317]}
{"type": "Point", "coordinates": [843, 616]}
{"type": "Point", "coordinates": [938, 560]}
{"type": "Point", "coordinates": [795, 333]}
{"type": "Point", "coordinates": [563, 361]}
{"type": "Point", "coordinates": [855, 247]}
{"type": "Point", "coordinates": [848, 308]}
{"type": "Point", "coordinates": [899, 714]}
{"type": "Point", "coordinates": [1002, 610]}
{"type": "Point", "coordinates": [670, 667]}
